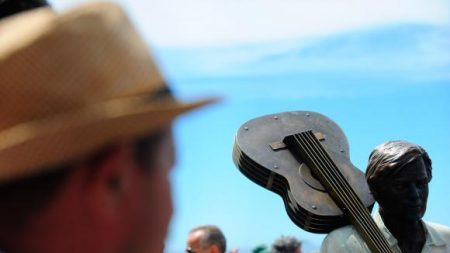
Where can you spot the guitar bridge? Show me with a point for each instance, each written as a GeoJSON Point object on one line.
{"type": "Point", "coordinates": [279, 145]}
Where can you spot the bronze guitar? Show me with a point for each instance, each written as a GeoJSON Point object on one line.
{"type": "Point", "coordinates": [304, 158]}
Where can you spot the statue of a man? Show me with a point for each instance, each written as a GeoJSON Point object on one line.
{"type": "Point", "coordinates": [398, 174]}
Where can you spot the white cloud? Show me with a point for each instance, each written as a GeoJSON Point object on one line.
{"type": "Point", "coordinates": [213, 22]}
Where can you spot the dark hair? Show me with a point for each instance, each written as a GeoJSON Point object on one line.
{"type": "Point", "coordinates": [388, 158]}
{"type": "Point", "coordinates": [212, 235]}
{"type": "Point", "coordinates": [23, 198]}
{"type": "Point", "coordinates": [286, 244]}
{"type": "Point", "coordinates": [11, 7]}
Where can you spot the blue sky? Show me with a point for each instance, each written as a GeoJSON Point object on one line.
{"type": "Point", "coordinates": [380, 69]}
{"type": "Point", "coordinates": [381, 84]}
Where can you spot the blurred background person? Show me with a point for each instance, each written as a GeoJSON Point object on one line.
{"type": "Point", "coordinates": [286, 244]}
{"type": "Point", "coordinates": [206, 239]}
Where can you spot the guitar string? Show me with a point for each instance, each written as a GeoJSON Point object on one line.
{"type": "Point", "coordinates": [332, 183]}
{"type": "Point", "coordinates": [333, 167]}
{"type": "Point", "coordinates": [338, 190]}
{"type": "Point", "coordinates": [340, 186]}
{"type": "Point", "coordinates": [360, 208]}
{"type": "Point", "coordinates": [347, 191]}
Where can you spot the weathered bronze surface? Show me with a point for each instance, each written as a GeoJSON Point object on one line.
{"type": "Point", "coordinates": [259, 154]}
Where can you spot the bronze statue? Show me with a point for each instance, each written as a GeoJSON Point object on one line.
{"type": "Point", "coordinates": [304, 157]}
{"type": "Point", "coordinates": [398, 174]}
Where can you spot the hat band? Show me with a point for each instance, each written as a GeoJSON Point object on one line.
{"type": "Point", "coordinates": [160, 94]}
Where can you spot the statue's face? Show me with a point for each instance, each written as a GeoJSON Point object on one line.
{"type": "Point", "coordinates": [404, 195]}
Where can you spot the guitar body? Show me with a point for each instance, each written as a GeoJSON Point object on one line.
{"type": "Point", "coordinates": [261, 155]}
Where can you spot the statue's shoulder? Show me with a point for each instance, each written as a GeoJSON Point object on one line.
{"type": "Point", "coordinates": [438, 228]}
{"type": "Point", "coordinates": [344, 232]}
{"type": "Point", "coordinates": [344, 239]}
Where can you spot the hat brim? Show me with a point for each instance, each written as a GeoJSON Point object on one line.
{"type": "Point", "coordinates": [34, 146]}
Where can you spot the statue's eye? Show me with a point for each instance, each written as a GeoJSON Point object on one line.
{"type": "Point", "coordinates": [399, 186]}
{"type": "Point", "coordinates": [422, 183]}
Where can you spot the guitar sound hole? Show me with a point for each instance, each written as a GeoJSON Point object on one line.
{"type": "Point", "coordinates": [309, 179]}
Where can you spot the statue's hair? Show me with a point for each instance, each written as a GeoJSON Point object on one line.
{"type": "Point", "coordinates": [286, 244]}
{"type": "Point", "coordinates": [390, 157]}
{"type": "Point", "coordinates": [211, 235]}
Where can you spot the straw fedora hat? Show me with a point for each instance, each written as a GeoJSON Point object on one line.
{"type": "Point", "coordinates": [72, 82]}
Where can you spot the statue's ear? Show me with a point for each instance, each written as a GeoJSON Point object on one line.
{"type": "Point", "coordinates": [373, 190]}
{"type": "Point", "coordinates": [376, 194]}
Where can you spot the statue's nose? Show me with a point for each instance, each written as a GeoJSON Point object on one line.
{"type": "Point", "coordinates": [414, 195]}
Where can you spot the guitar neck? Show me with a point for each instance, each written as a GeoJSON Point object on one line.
{"type": "Point", "coordinates": [306, 148]}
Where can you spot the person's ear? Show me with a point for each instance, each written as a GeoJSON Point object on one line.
{"type": "Point", "coordinates": [214, 248]}
{"type": "Point", "coordinates": [108, 182]}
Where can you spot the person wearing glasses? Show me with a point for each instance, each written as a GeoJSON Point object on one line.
{"type": "Point", "coordinates": [86, 143]}
{"type": "Point", "coordinates": [206, 239]}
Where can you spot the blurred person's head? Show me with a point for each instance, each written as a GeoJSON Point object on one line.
{"type": "Point", "coordinates": [206, 239]}
{"type": "Point", "coordinates": [286, 244]}
{"type": "Point", "coordinates": [85, 129]}
{"type": "Point", "coordinates": [398, 174]}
